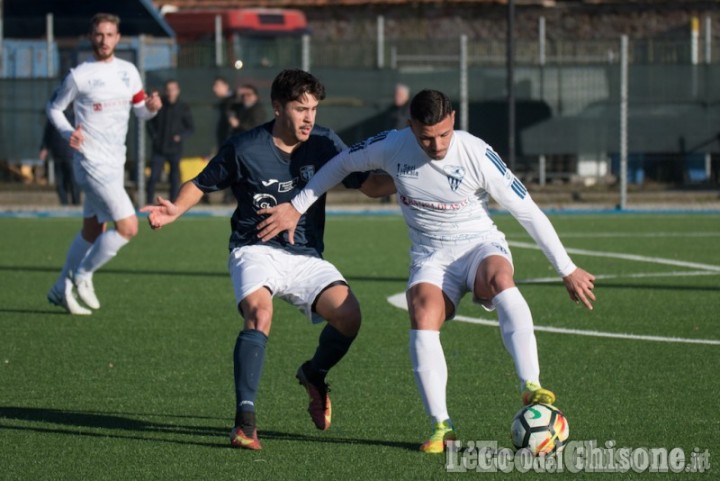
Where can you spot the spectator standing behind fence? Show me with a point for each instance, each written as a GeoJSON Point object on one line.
{"type": "Point", "coordinates": [247, 112]}
{"type": "Point", "coordinates": [62, 155]}
{"type": "Point", "coordinates": [221, 89]}
{"type": "Point", "coordinates": [167, 130]}
{"type": "Point", "coordinates": [398, 114]}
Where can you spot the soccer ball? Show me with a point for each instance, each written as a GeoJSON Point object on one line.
{"type": "Point", "coordinates": [540, 428]}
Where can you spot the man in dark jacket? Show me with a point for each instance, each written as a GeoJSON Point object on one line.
{"type": "Point", "coordinates": [168, 130]}
{"type": "Point", "coordinates": [247, 112]}
{"type": "Point", "coordinates": [62, 155]}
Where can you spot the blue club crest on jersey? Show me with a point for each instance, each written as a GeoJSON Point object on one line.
{"type": "Point", "coordinates": [307, 172]}
{"type": "Point", "coordinates": [455, 175]}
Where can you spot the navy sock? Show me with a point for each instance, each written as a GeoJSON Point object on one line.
{"type": "Point", "coordinates": [248, 357]}
{"type": "Point", "coordinates": [332, 346]}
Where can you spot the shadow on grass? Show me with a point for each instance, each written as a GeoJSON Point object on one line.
{"type": "Point", "coordinates": [121, 426]}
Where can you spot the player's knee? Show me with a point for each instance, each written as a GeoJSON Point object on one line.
{"type": "Point", "coordinates": [492, 285]}
{"type": "Point", "coordinates": [128, 228]}
{"type": "Point", "coordinates": [258, 317]}
{"type": "Point", "coordinates": [347, 318]}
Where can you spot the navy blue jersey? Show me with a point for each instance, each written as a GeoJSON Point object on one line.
{"type": "Point", "coordinates": [261, 176]}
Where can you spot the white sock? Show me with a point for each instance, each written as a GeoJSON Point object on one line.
{"type": "Point", "coordinates": [518, 335]}
{"type": "Point", "coordinates": [78, 248]}
{"type": "Point", "coordinates": [430, 369]}
{"type": "Point", "coordinates": [105, 248]}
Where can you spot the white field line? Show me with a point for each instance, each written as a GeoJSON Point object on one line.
{"type": "Point", "coordinates": [637, 275]}
{"type": "Point", "coordinates": [627, 257]}
{"type": "Point", "coordinates": [654, 235]}
{"type": "Point", "coordinates": [399, 301]}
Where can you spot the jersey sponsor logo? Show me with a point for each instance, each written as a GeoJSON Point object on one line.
{"type": "Point", "coordinates": [407, 171]}
{"type": "Point", "coordinates": [455, 175]}
{"type": "Point", "coordinates": [287, 186]}
{"type": "Point", "coordinates": [263, 201]}
{"type": "Point", "coordinates": [268, 183]}
{"type": "Point", "coordinates": [439, 206]}
{"type": "Point", "coordinates": [117, 104]}
{"type": "Point", "coordinates": [307, 172]}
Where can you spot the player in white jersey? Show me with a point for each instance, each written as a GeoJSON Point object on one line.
{"type": "Point", "coordinates": [443, 178]}
{"type": "Point", "coordinates": [102, 91]}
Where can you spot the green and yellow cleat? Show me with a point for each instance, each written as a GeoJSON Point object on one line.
{"type": "Point", "coordinates": [534, 393]}
{"type": "Point", "coordinates": [444, 432]}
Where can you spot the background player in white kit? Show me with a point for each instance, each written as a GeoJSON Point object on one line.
{"type": "Point", "coordinates": [443, 178]}
{"type": "Point", "coordinates": [103, 90]}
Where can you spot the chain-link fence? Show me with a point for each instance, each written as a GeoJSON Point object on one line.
{"type": "Point", "coordinates": [567, 112]}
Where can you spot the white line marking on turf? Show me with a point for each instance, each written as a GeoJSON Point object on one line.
{"type": "Point", "coordinates": [638, 275]}
{"type": "Point", "coordinates": [399, 301]}
{"type": "Point", "coordinates": [628, 257]}
{"type": "Point", "coordinates": [654, 235]}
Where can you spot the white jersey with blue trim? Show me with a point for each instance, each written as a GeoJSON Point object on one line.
{"type": "Point", "coordinates": [444, 201]}
{"type": "Point", "coordinates": [102, 94]}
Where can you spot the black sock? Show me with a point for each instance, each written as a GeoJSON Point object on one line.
{"type": "Point", "coordinates": [332, 346]}
{"type": "Point", "coordinates": [248, 357]}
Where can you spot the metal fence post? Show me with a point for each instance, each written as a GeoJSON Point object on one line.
{"type": "Point", "coordinates": [380, 42]}
{"type": "Point", "coordinates": [218, 41]}
{"type": "Point", "coordinates": [306, 52]}
{"type": "Point", "coordinates": [623, 120]}
{"type": "Point", "coordinates": [542, 165]}
{"type": "Point", "coordinates": [140, 196]}
{"type": "Point", "coordinates": [464, 110]}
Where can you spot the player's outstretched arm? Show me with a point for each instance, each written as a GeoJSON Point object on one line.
{"type": "Point", "coordinates": [580, 284]}
{"type": "Point", "coordinates": [283, 217]}
{"type": "Point", "coordinates": [165, 212]}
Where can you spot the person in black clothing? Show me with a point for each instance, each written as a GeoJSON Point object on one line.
{"type": "Point", "coordinates": [223, 129]}
{"type": "Point", "coordinates": [398, 114]}
{"type": "Point", "coordinates": [247, 110]}
{"type": "Point", "coordinates": [168, 130]}
{"type": "Point", "coordinates": [62, 155]}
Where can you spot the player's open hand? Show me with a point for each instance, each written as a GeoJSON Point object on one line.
{"type": "Point", "coordinates": [580, 285]}
{"type": "Point", "coordinates": [280, 218]}
{"type": "Point", "coordinates": [161, 214]}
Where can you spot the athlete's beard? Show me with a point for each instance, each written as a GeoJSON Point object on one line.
{"type": "Point", "coordinates": [99, 55]}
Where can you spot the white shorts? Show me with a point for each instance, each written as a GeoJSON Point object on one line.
{"type": "Point", "coordinates": [107, 200]}
{"type": "Point", "coordinates": [453, 268]}
{"type": "Point", "coordinates": [295, 278]}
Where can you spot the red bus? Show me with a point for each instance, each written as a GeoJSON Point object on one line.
{"type": "Point", "coordinates": [246, 22]}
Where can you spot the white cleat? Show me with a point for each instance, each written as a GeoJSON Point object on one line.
{"type": "Point", "coordinates": [86, 292]}
{"type": "Point", "coordinates": [67, 300]}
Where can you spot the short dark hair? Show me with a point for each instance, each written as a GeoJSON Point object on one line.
{"type": "Point", "coordinates": [222, 80]}
{"type": "Point", "coordinates": [99, 18]}
{"type": "Point", "coordinates": [292, 84]}
{"type": "Point", "coordinates": [249, 87]}
{"type": "Point", "coordinates": [430, 107]}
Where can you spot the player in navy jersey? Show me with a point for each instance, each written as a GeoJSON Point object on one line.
{"type": "Point", "coordinates": [444, 179]}
{"type": "Point", "coordinates": [263, 167]}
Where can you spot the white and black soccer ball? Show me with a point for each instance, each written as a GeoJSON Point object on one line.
{"type": "Point", "coordinates": [540, 428]}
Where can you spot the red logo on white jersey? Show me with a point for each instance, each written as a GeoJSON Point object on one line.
{"type": "Point", "coordinates": [97, 107]}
